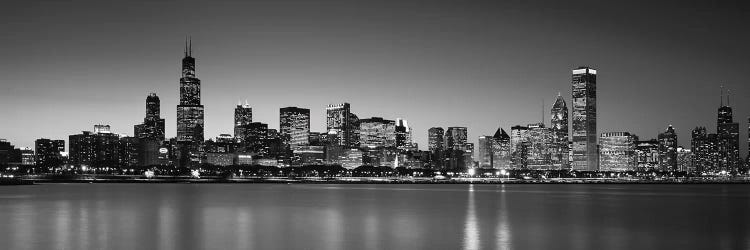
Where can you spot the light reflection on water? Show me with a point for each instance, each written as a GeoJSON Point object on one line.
{"type": "Point", "coordinates": [269, 216]}
{"type": "Point", "coordinates": [471, 232]}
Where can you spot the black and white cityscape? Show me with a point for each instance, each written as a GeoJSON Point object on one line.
{"type": "Point", "coordinates": [563, 143]}
{"type": "Point", "coordinates": [364, 124]}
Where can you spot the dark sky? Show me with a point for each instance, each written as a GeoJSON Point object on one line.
{"type": "Point", "coordinates": [66, 65]}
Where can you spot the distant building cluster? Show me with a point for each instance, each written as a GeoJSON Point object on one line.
{"type": "Point", "coordinates": [570, 142]}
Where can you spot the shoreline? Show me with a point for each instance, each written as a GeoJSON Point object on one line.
{"type": "Point", "coordinates": [363, 180]}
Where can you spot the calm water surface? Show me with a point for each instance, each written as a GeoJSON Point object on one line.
{"type": "Point", "coordinates": [280, 216]}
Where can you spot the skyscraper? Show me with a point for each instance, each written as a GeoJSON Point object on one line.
{"type": "Point", "coordinates": [294, 126]}
{"type": "Point", "coordinates": [436, 146]}
{"type": "Point", "coordinates": [501, 149]}
{"type": "Point", "coordinates": [728, 133]}
{"type": "Point", "coordinates": [539, 140]}
{"type": "Point", "coordinates": [458, 151]}
{"type": "Point", "coordinates": [190, 119]}
{"type": "Point", "coordinates": [377, 132]}
{"type": "Point", "coordinates": [703, 147]}
{"type": "Point", "coordinates": [559, 121]}
{"type": "Point", "coordinates": [455, 138]}
{"type": "Point", "coordinates": [668, 150]}
{"type": "Point", "coordinates": [403, 138]}
{"type": "Point", "coordinates": [243, 115]}
{"type": "Point", "coordinates": [153, 125]}
{"type": "Point", "coordinates": [519, 146]}
{"type": "Point", "coordinates": [484, 151]}
{"type": "Point", "coordinates": [338, 122]}
{"type": "Point", "coordinates": [436, 139]}
{"type": "Point", "coordinates": [618, 151]}
{"type": "Point", "coordinates": [585, 155]}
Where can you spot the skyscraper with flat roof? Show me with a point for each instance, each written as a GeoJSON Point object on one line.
{"type": "Point", "coordinates": [243, 115]}
{"type": "Point", "coordinates": [668, 150]}
{"type": "Point", "coordinates": [294, 126]}
{"type": "Point", "coordinates": [618, 151]}
{"type": "Point", "coordinates": [585, 155]}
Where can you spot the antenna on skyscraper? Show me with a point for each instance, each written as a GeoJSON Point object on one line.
{"type": "Point", "coordinates": [190, 45]}
{"type": "Point", "coordinates": [721, 97]}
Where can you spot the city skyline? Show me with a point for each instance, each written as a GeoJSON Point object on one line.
{"type": "Point", "coordinates": [508, 101]}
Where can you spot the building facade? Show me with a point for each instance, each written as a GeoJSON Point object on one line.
{"type": "Point", "coordinates": [294, 126]}
{"type": "Point", "coordinates": [668, 150]}
{"type": "Point", "coordinates": [243, 115]}
{"type": "Point", "coordinates": [618, 152]}
{"type": "Point", "coordinates": [152, 127]}
{"type": "Point", "coordinates": [559, 127]}
{"type": "Point", "coordinates": [190, 112]}
{"type": "Point", "coordinates": [49, 152]}
{"type": "Point", "coordinates": [585, 155]}
{"type": "Point", "coordinates": [501, 150]}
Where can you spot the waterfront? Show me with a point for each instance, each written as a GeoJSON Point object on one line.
{"type": "Point", "coordinates": [337, 216]}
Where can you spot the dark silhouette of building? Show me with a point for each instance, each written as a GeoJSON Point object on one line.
{"type": "Point", "coordinates": [9, 153]}
{"type": "Point", "coordinates": [152, 127]}
{"type": "Point", "coordinates": [519, 146]}
{"type": "Point", "coordinates": [149, 135]}
{"type": "Point", "coordinates": [403, 135]}
{"type": "Point", "coordinates": [668, 150]}
{"type": "Point", "coordinates": [49, 152]}
{"type": "Point", "coordinates": [436, 146]}
{"type": "Point", "coordinates": [585, 154]}
{"type": "Point", "coordinates": [94, 149]}
{"type": "Point", "coordinates": [190, 112]}
{"type": "Point", "coordinates": [728, 133]}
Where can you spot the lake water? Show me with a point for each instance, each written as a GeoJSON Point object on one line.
{"type": "Point", "coordinates": [317, 216]}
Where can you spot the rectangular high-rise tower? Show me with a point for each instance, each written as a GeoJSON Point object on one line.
{"type": "Point", "coordinates": [585, 155]}
{"type": "Point", "coordinates": [294, 126]}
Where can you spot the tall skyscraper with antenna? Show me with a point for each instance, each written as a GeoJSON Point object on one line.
{"type": "Point", "coordinates": [190, 112]}
{"type": "Point", "coordinates": [728, 133]}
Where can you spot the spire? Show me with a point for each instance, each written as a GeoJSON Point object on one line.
{"type": "Point", "coordinates": [721, 97]}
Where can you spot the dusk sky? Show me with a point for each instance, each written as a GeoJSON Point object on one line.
{"type": "Point", "coordinates": [67, 65]}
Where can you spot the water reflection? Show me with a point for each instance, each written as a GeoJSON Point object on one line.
{"type": "Point", "coordinates": [502, 230]}
{"type": "Point", "coordinates": [471, 228]}
{"type": "Point", "coordinates": [374, 217]}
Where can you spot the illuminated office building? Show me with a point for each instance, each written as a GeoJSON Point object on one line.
{"type": "Point", "coordinates": [618, 152]}
{"type": "Point", "coordinates": [585, 155]}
